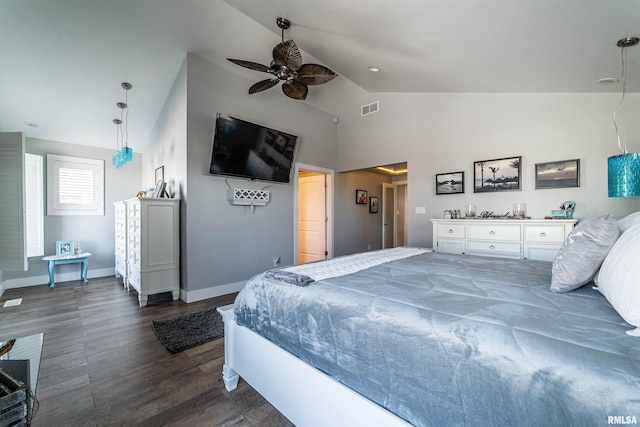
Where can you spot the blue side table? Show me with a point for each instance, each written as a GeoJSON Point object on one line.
{"type": "Point", "coordinates": [68, 259]}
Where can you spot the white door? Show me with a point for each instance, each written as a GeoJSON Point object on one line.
{"type": "Point", "coordinates": [388, 215]}
{"type": "Point", "coordinates": [312, 215]}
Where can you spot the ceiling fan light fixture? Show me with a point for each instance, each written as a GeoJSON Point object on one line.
{"type": "Point", "coordinates": [287, 67]}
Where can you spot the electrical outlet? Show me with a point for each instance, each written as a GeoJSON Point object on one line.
{"type": "Point", "coordinates": [369, 247]}
{"type": "Point", "coordinates": [277, 261]}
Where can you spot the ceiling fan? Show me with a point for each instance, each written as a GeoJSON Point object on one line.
{"type": "Point", "coordinates": [287, 66]}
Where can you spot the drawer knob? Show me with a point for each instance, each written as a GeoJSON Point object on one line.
{"type": "Point", "coordinates": [491, 247]}
{"type": "Point", "coordinates": [543, 234]}
{"type": "Point", "coordinates": [450, 230]}
{"type": "Point", "coordinates": [492, 232]}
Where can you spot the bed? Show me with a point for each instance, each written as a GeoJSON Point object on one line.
{"type": "Point", "coordinates": [414, 337]}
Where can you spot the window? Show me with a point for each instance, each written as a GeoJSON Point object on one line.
{"type": "Point", "coordinates": [75, 186]}
{"type": "Point", "coordinates": [34, 204]}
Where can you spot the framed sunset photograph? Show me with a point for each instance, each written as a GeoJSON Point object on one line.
{"type": "Point", "coordinates": [560, 174]}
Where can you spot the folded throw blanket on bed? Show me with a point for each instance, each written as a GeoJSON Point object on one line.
{"type": "Point", "coordinates": [305, 274]}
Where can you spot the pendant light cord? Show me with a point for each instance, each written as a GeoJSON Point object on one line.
{"type": "Point", "coordinates": [624, 89]}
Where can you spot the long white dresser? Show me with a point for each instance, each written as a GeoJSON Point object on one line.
{"type": "Point", "coordinates": [152, 246]}
{"type": "Point", "coordinates": [537, 239]}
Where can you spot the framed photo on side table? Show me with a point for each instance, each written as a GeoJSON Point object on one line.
{"type": "Point", "coordinates": [159, 191]}
{"type": "Point", "coordinates": [65, 247]}
{"type": "Point", "coordinates": [561, 174]}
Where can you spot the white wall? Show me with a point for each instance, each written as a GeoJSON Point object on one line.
{"type": "Point", "coordinates": [95, 233]}
{"type": "Point", "coordinates": [357, 230]}
{"type": "Point", "coordinates": [224, 245]}
{"type": "Point", "coordinates": [438, 133]}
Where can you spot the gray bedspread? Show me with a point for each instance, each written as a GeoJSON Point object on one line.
{"type": "Point", "coordinates": [448, 340]}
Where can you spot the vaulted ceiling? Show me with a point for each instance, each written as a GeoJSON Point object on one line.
{"type": "Point", "coordinates": [62, 61]}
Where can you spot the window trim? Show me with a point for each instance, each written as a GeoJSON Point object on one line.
{"type": "Point", "coordinates": [54, 164]}
{"type": "Point", "coordinates": [34, 219]}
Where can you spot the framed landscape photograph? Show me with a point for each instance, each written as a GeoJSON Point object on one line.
{"type": "Point", "coordinates": [450, 183]}
{"type": "Point", "coordinates": [497, 175]}
{"type": "Point", "coordinates": [361, 197]}
{"type": "Point", "coordinates": [560, 174]}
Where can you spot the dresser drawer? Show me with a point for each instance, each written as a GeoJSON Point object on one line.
{"type": "Point", "coordinates": [494, 232]}
{"type": "Point", "coordinates": [544, 233]}
{"type": "Point", "coordinates": [451, 231]}
{"type": "Point", "coordinates": [489, 248]}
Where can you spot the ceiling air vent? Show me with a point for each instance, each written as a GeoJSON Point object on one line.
{"type": "Point", "coordinates": [370, 108]}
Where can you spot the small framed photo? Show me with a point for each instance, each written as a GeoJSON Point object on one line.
{"type": "Point", "coordinates": [159, 174]}
{"type": "Point", "coordinates": [497, 175]}
{"type": "Point", "coordinates": [361, 197]}
{"type": "Point", "coordinates": [450, 183]}
{"type": "Point", "coordinates": [373, 205]}
{"type": "Point", "coordinates": [159, 190]}
{"type": "Point", "coordinates": [65, 247]}
{"type": "Point", "coordinates": [560, 174]}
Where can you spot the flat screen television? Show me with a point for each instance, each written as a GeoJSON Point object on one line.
{"type": "Point", "coordinates": [248, 150]}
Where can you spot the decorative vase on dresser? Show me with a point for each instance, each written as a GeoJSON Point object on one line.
{"type": "Point", "coordinates": [152, 246]}
{"type": "Point", "coordinates": [506, 238]}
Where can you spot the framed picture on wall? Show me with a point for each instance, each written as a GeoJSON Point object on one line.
{"type": "Point", "coordinates": [373, 205]}
{"type": "Point", "coordinates": [560, 174]}
{"type": "Point", "coordinates": [450, 183]}
{"type": "Point", "coordinates": [361, 197]}
{"type": "Point", "coordinates": [496, 175]}
{"type": "Point", "coordinates": [159, 174]}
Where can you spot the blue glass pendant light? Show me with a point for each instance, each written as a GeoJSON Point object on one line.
{"type": "Point", "coordinates": [624, 169]}
{"type": "Point", "coordinates": [124, 154]}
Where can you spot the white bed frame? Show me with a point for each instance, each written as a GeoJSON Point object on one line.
{"type": "Point", "coordinates": [302, 393]}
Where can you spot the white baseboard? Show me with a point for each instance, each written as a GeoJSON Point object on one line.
{"type": "Point", "coordinates": [59, 277]}
{"type": "Point", "coordinates": [193, 296]}
{"type": "Point", "coordinates": [212, 292]}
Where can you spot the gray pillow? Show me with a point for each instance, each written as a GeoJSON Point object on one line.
{"type": "Point", "coordinates": [583, 252]}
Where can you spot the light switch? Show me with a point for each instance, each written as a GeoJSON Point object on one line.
{"type": "Point", "coordinates": [421, 210]}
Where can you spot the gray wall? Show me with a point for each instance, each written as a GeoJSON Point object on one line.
{"type": "Point", "coordinates": [95, 233]}
{"type": "Point", "coordinates": [357, 230]}
{"type": "Point", "coordinates": [224, 244]}
{"type": "Point", "coordinates": [438, 133]}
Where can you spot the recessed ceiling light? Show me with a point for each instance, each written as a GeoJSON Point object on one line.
{"type": "Point", "coordinates": [608, 80]}
{"type": "Point", "coordinates": [374, 69]}
{"type": "Point", "coordinates": [31, 124]}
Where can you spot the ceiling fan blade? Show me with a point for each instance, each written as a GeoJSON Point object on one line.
{"type": "Point", "coordinates": [294, 89]}
{"type": "Point", "coordinates": [251, 65]}
{"type": "Point", "coordinates": [263, 85]}
{"type": "Point", "coordinates": [287, 54]}
{"type": "Point", "coordinates": [314, 74]}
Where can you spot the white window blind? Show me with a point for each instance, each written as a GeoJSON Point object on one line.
{"type": "Point", "coordinates": [75, 186]}
{"type": "Point", "coordinates": [13, 254]}
{"type": "Point", "coordinates": [34, 202]}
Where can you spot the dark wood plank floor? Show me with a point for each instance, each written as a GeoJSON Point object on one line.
{"type": "Point", "coordinates": [103, 365]}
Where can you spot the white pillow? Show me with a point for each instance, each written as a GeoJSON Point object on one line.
{"type": "Point", "coordinates": [619, 278]}
{"type": "Point", "coordinates": [583, 252]}
{"type": "Point", "coordinates": [629, 221]}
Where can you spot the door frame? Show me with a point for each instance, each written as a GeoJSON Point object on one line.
{"type": "Point", "coordinates": [329, 174]}
{"type": "Point", "coordinates": [393, 222]}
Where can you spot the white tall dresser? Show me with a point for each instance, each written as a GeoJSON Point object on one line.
{"type": "Point", "coordinates": [120, 209]}
{"type": "Point", "coordinates": [152, 246]}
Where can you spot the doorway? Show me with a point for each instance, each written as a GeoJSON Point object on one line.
{"type": "Point", "coordinates": [394, 214]}
{"type": "Point", "coordinates": [313, 214]}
